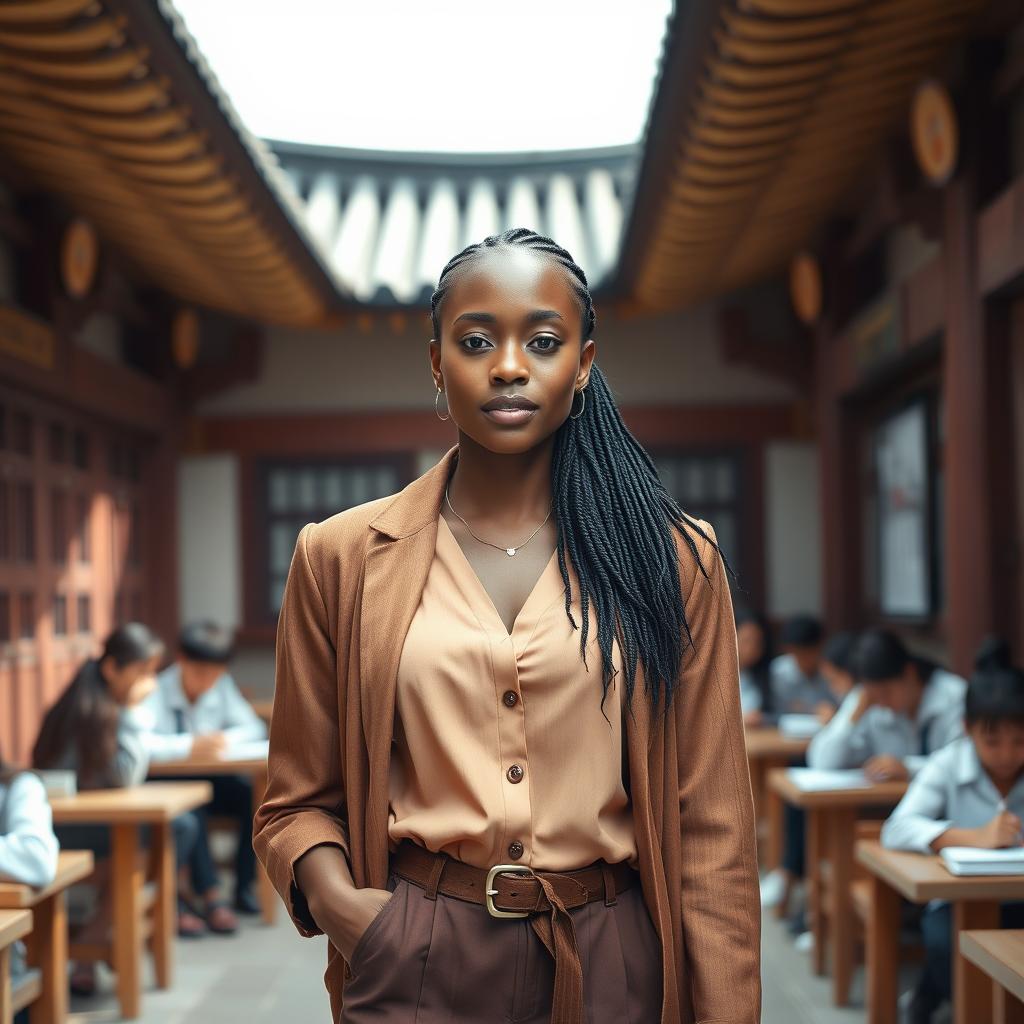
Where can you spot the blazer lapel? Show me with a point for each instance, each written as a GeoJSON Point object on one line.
{"type": "Point", "coordinates": [395, 571]}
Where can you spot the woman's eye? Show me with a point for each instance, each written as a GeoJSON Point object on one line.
{"type": "Point", "coordinates": [546, 342]}
{"type": "Point", "coordinates": [475, 342]}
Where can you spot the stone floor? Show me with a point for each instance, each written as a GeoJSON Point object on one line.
{"type": "Point", "coordinates": [268, 975]}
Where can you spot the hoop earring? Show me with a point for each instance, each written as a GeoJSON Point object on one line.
{"type": "Point", "coordinates": [583, 395]}
{"type": "Point", "coordinates": [437, 413]}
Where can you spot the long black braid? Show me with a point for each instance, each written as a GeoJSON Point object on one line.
{"type": "Point", "coordinates": [615, 518]}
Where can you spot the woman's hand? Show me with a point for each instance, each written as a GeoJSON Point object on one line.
{"type": "Point", "coordinates": [341, 911]}
{"type": "Point", "coordinates": [344, 918]}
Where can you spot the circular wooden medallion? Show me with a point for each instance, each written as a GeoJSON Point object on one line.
{"type": "Point", "coordinates": [79, 258]}
{"type": "Point", "coordinates": [805, 287]}
{"type": "Point", "coordinates": [934, 132]}
{"type": "Point", "coordinates": [185, 338]}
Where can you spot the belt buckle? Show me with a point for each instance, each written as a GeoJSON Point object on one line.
{"type": "Point", "coordinates": [490, 892]}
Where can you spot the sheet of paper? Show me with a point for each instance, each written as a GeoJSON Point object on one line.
{"type": "Point", "coordinates": [799, 727]}
{"type": "Point", "coordinates": [814, 779]}
{"type": "Point", "coordinates": [251, 751]}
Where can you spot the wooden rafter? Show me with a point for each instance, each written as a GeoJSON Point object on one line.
{"type": "Point", "coordinates": [787, 101]}
{"type": "Point", "coordinates": [89, 112]}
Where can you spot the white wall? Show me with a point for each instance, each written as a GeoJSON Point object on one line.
{"type": "Point", "coordinates": [792, 529]}
{"type": "Point", "coordinates": [209, 544]}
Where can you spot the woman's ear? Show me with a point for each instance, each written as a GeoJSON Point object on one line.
{"type": "Point", "coordinates": [587, 354]}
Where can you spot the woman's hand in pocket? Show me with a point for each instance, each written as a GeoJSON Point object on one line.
{"type": "Point", "coordinates": [340, 910]}
{"type": "Point", "coordinates": [345, 916]}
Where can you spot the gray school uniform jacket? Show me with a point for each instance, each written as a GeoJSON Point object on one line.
{"type": "Point", "coordinates": [847, 744]}
{"type": "Point", "coordinates": [952, 790]}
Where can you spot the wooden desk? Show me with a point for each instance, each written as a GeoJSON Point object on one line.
{"type": "Point", "coordinates": [920, 878]}
{"type": "Point", "coordinates": [1000, 956]}
{"type": "Point", "coordinates": [154, 804]}
{"type": "Point", "coordinates": [48, 941]}
{"type": "Point", "coordinates": [831, 836]}
{"type": "Point", "coordinates": [14, 925]}
{"type": "Point", "coordinates": [256, 770]}
{"type": "Point", "coordinates": [768, 749]}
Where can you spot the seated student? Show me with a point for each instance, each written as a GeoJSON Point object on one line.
{"type": "Point", "coordinates": [902, 706]}
{"type": "Point", "coordinates": [969, 793]}
{"type": "Point", "coordinates": [776, 888]}
{"type": "Point", "coordinates": [90, 731]}
{"type": "Point", "coordinates": [752, 639]}
{"type": "Point", "coordinates": [797, 685]}
{"type": "Point", "coordinates": [197, 711]}
{"type": "Point", "coordinates": [28, 847]}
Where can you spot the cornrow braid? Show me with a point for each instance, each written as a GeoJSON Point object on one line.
{"type": "Point", "coordinates": [615, 519]}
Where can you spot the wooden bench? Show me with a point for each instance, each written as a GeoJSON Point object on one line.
{"type": "Point", "coordinates": [14, 925]}
{"type": "Point", "coordinates": [1000, 956]}
{"type": "Point", "coordinates": [45, 988]}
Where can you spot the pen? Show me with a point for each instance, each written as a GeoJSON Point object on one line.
{"type": "Point", "coordinates": [1001, 808]}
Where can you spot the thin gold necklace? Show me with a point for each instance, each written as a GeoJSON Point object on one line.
{"type": "Point", "coordinates": [508, 551]}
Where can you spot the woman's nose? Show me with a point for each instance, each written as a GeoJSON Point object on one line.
{"type": "Point", "coordinates": [510, 365]}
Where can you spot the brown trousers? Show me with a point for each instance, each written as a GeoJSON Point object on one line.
{"type": "Point", "coordinates": [446, 961]}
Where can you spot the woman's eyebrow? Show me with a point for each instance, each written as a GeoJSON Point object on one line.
{"type": "Point", "coordinates": [539, 315]}
{"type": "Point", "coordinates": [477, 318]}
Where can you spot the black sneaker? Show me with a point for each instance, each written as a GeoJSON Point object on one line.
{"type": "Point", "coordinates": [247, 903]}
{"type": "Point", "coordinates": [924, 1001]}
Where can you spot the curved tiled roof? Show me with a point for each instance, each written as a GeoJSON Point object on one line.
{"type": "Point", "coordinates": [764, 117]}
{"type": "Point", "coordinates": [390, 221]}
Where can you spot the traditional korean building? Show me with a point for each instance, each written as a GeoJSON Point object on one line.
{"type": "Point", "coordinates": [207, 340]}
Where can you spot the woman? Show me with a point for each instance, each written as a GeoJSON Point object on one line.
{"type": "Point", "coordinates": [89, 731]}
{"type": "Point", "coordinates": [535, 609]}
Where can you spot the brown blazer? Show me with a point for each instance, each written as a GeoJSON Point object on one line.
{"type": "Point", "coordinates": [353, 587]}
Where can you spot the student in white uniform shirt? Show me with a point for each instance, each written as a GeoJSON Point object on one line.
{"type": "Point", "coordinates": [28, 847]}
{"type": "Point", "coordinates": [902, 706]}
{"type": "Point", "coordinates": [89, 730]}
{"type": "Point", "coordinates": [797, 685]}
{"type": "Point", "coordinates": [969, 793]}
{"type": "Point", "coordinates": [198, 712]}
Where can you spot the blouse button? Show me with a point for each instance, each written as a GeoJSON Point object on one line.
{"type": "Point", "coordinates": [511, 698]}
{"type": "Point", "coordinates": [515, 773]}
{"type": "Point", "coordinates": [515, 849]}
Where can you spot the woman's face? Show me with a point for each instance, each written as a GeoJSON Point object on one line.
{"type": "Point", "coordinates": [511, 356]}
{"type": "Point", "coordinates": [131, 683]}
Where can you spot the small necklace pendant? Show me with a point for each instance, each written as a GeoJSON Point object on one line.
{"type": "Point", "coordinates": [510, 552]}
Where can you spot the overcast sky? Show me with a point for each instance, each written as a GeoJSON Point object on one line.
{"type": "Point", "coordinates": [445, 75]}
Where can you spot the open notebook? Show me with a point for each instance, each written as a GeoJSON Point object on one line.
{"type": "Point", "coordinates": [969, 860]}
{"type": "Point", "coordinates": [815, 779]}
{"type": "Point", "coordinates": [252, 750]}
{"type": "Point", "coordinates": [799, 727]}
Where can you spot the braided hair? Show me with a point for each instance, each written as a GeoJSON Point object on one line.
{"type": "Point", "coordinates": [614, 517]}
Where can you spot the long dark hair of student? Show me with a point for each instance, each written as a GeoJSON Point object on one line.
{"type": "Point", "coordinates": [615, 519]}
{"type": "Point", "coordinates": [85, 716]}
{"type": "Point", "coordinates": [761, 671]}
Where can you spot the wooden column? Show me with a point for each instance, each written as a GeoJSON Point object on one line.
{"type": "Point", "coordinates": [968, 516]}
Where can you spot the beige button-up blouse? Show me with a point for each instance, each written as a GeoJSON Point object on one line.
{"type": "Point", "coordinates": [502, 750]}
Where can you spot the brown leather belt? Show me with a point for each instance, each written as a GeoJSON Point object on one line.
{"type": "Point", "coordinates": [545, 897]}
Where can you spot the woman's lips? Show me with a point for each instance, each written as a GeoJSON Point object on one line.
{"type": "Point", "coordinates": [511, 410]}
